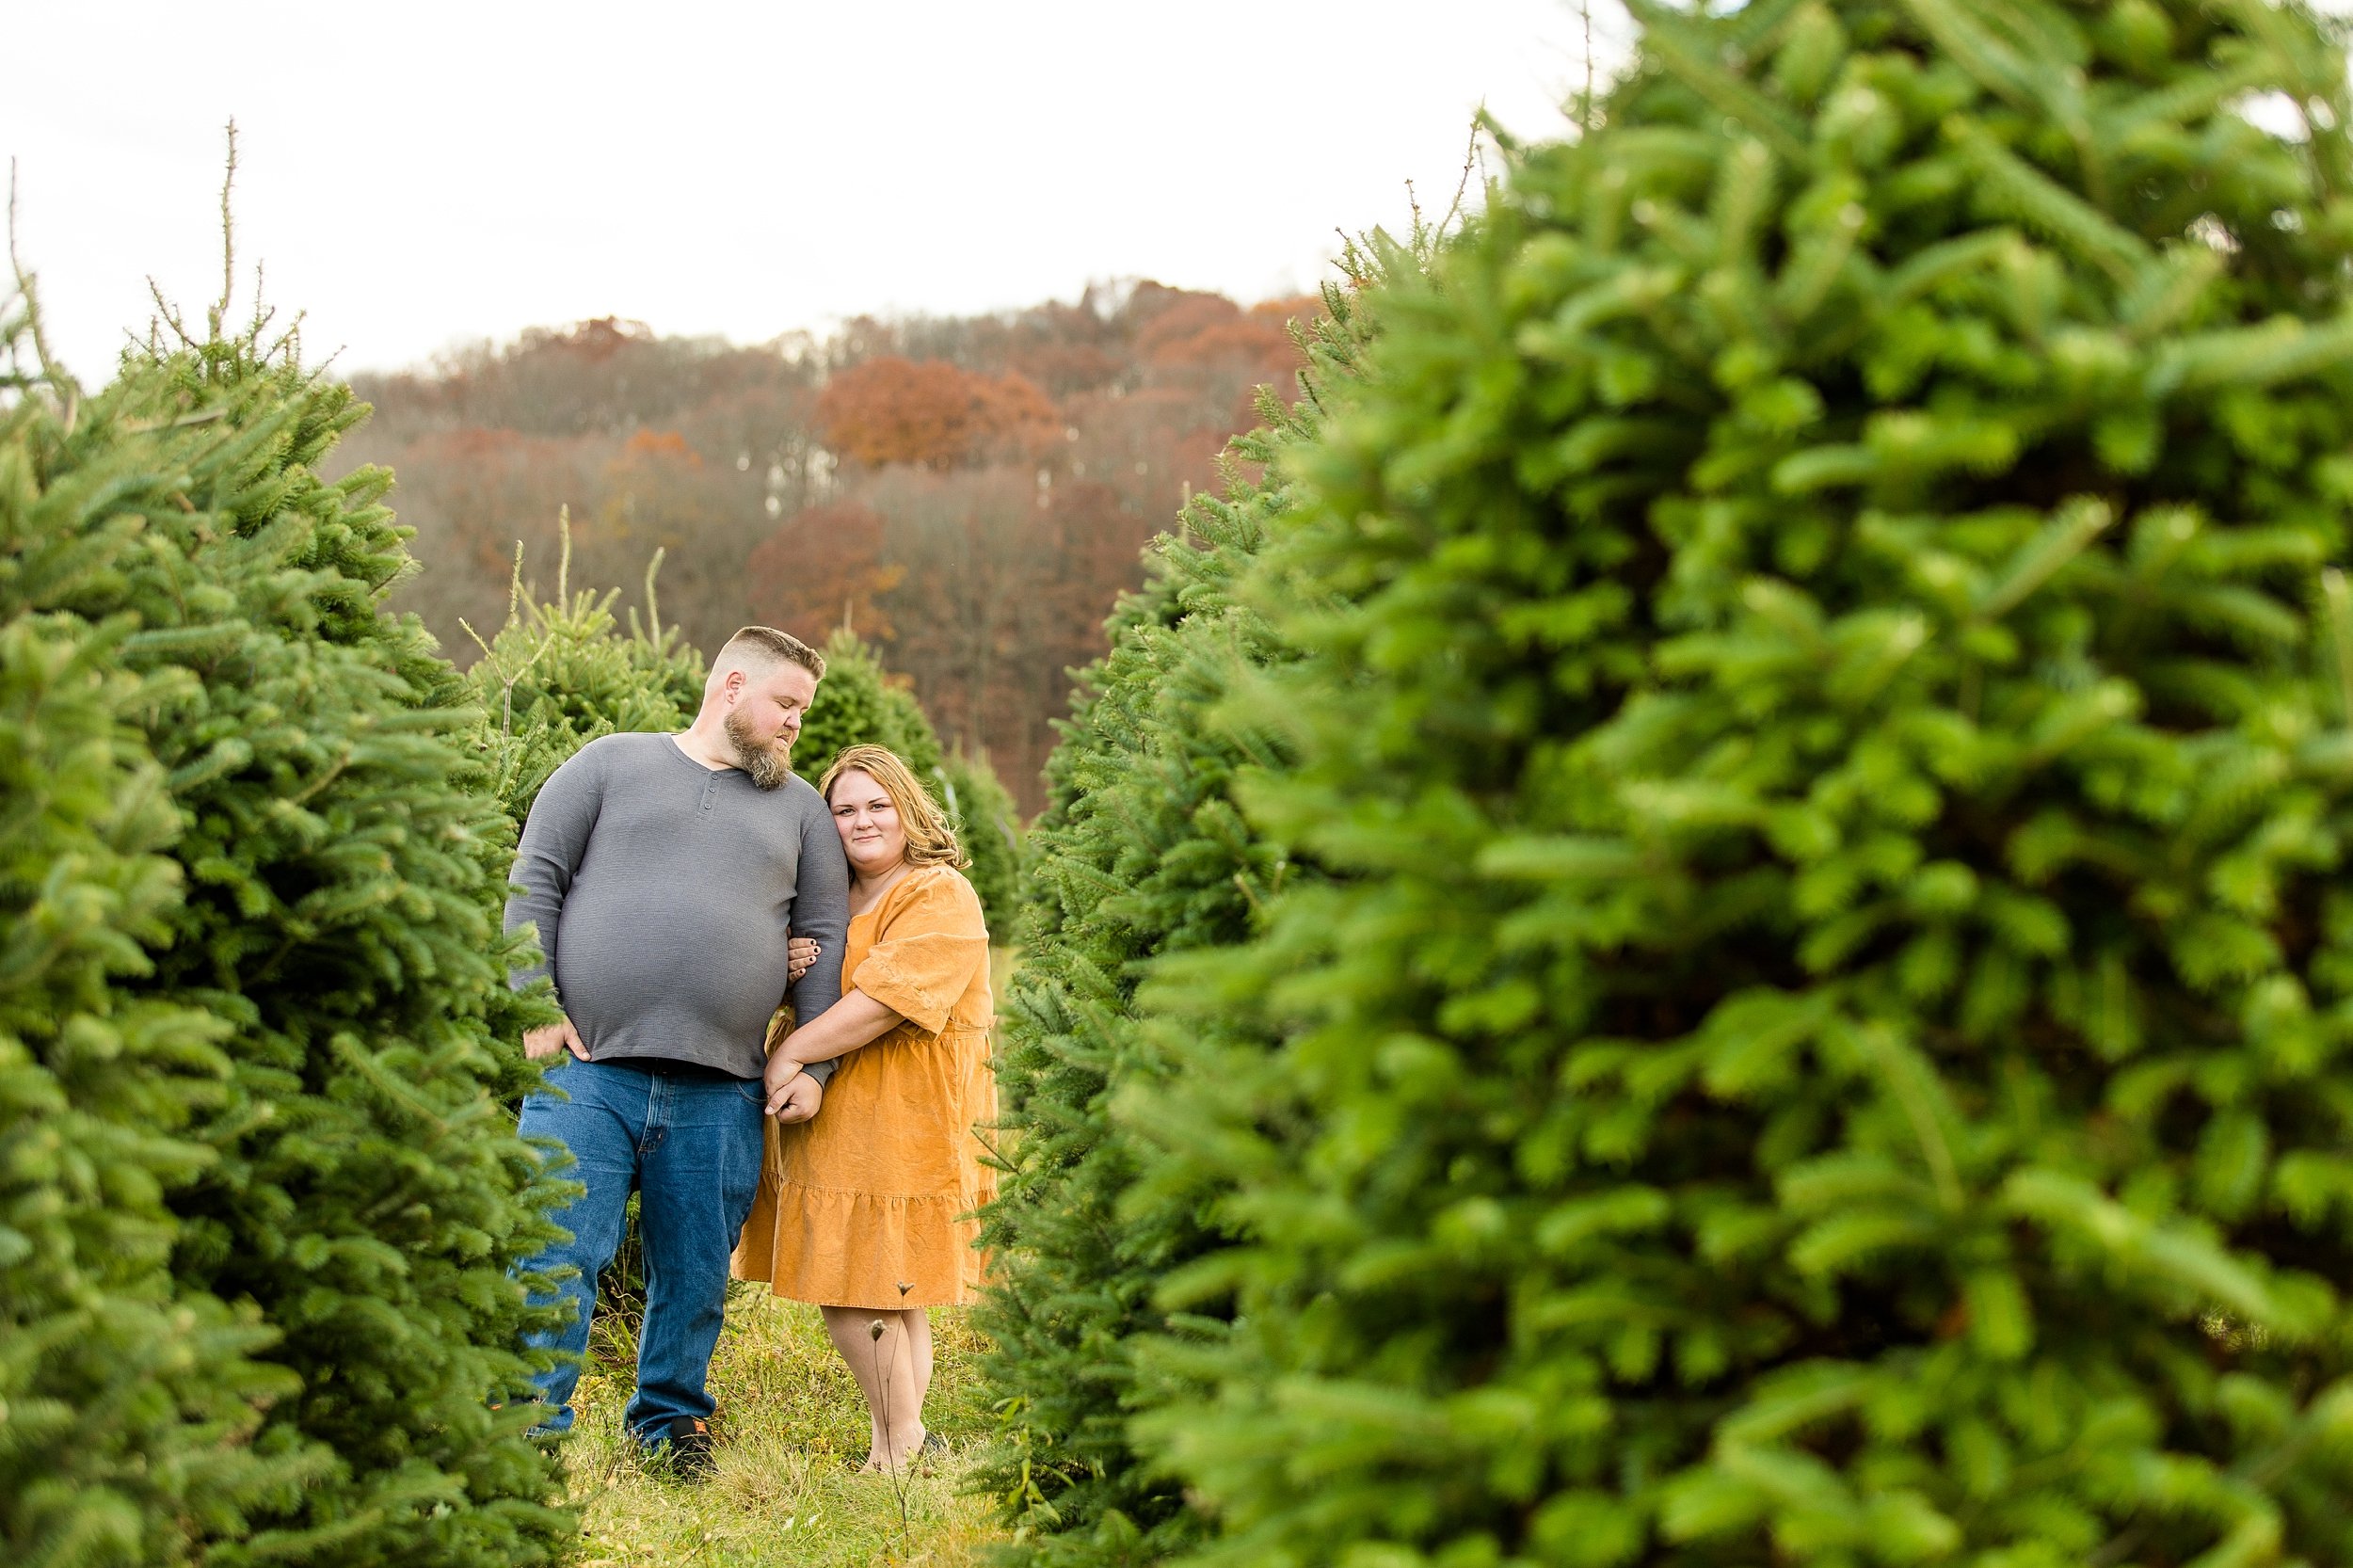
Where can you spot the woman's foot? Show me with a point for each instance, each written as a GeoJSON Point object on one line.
{"type": "Point", "coordinates": [897, 1458]}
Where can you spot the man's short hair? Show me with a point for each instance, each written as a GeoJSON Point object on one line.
{"type": "Point", "coordinates": [764, 647]}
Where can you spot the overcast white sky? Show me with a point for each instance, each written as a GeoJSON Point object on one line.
{"type": "Point", "coordinates": [419, 175]}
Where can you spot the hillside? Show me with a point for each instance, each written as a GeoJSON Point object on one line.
{"type": "Point", "coordinates": [970, 492]}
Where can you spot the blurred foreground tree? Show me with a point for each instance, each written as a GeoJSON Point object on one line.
{"type": "Point", "coordinates": [259, 1033]}
{"type": "Point", "coordinates": [1141, 851]}
{"type": "Point", "coordinates": [1822, 1031]}
{"type": "Point", "coordinates": [131, 1399]}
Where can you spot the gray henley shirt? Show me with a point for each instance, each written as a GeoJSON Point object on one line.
{"type": "Point", "coordinates": [663, 891]}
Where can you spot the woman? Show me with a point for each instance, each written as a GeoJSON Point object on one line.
{"type": "Point", "coordinates": [864, 1211]}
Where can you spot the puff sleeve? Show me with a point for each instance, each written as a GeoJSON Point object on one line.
{"type": "Point", "coordinates": [928, 950]}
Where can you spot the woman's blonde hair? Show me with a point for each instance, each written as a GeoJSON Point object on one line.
{"type": "Point", "coordinates": [930, 840]}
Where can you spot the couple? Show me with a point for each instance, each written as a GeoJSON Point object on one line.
{"type": "Point", "coordinates": [679, 884]}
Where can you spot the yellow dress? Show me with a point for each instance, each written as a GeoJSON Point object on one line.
{"type": "Point", "coordinates": [876, 1189]}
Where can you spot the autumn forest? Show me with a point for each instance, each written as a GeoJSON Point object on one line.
{"type": "Point", "coordinates": [969, 494]}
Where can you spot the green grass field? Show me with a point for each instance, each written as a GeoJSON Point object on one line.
{"type": "Point", "coordinates": [792, 1431]}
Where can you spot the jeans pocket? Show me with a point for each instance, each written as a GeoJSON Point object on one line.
{"type": "Point", "coordinates": [556, 1086]}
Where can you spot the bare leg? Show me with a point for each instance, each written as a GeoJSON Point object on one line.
{"type": "Point", "coordinates": [919, 1322]}
{"type": "Point", "coordinates": [885, 1369]}
{"type": "Point", "coordinates": [853, 1334]}
{"type": "Point", "coordinates": [903, 1393]}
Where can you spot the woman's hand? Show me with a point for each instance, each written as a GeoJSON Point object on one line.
{"type": "Point", "coordinates": [800, 957]}
{"type": "Point", "coordinates": [841, 1029]}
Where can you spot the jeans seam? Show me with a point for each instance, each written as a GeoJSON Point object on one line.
{"type": "Point", "coordinates": [655, 1107]}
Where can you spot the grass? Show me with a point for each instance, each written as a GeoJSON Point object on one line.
{"type": "Point", "coordinates": [792, 1429]}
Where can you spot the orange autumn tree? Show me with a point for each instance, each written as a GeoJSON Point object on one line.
{"type": "Point", "coordinates": [931, 414]}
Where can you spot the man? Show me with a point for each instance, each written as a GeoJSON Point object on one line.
{"type": "Point", "coordinates": [665, 875]}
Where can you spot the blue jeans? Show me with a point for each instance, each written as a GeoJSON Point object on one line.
{"type": "Point", "coordinates": [691, 1148]}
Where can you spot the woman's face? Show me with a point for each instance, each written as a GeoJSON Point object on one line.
{"type": "Point", "coordinates": [872, 834]}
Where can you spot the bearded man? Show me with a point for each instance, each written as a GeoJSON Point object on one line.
{"type": "Point", "coordinates": [676, 882]}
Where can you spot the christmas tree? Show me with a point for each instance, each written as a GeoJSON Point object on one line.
{"type": "Point", "coordinates": [1823, 1035]}
{"type": "Point", "coordinates": [988, 825]}
{"type": "Point", "coordinates": [280, 934]}
{"type": "Point", "coordinates": [561, 672]}
{"type": "Point", "coordinates": [1141, 850]}
{"type": "Point", "coordinates": [859, 703]}
{"type": "Point", "coordinates": [131, 1399]}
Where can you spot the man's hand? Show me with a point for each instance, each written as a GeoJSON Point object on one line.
{"type": "Point", "coordinates": [798, 1100]}
{"type": "Point", "coordinates": [540, 1044]}
{"type": "Point", "coordinates": [792, 1095]}
{"type": "Point", "coordinates": [781, 1069]}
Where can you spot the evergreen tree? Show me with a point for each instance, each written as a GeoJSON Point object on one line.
{"type": "Point", "coordinates": [1139, 852]}
{"type": "Point", "coordinates": [128, 1403]}
{"type": "Point", "coordinates": [988, 825]}
{"type": "Point", "coordinates": [860, 703]}
{"type": "Point", "coordinates": [1824, 1034]}
{"type": "Point", "coordinates": [560, 673]}
{"type": "Point", "coordinates": [306, 1031]}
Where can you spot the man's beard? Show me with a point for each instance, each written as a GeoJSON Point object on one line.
{"type": "Point", "coordinates": [767, 765]}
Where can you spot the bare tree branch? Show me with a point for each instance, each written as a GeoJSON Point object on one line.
{"type": "Point", "coordinates": [227, 234]}
{"type": "Point", "coordinates": [1471, 156]}
{"type": "Point", "coordinates": [1585, 106]}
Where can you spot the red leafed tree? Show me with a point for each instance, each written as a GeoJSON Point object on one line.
{"type": "Point", "coordinates": [825, 567]}
{"type": "Point", "coordinates": [1016, 420]}
{"type": "Point", "coordinates": [931, 413]}
{"type": "Point", "coordinates": [1184, 317]}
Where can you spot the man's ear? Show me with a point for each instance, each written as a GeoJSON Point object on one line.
{"type": "Point", "coordinates": [732, 684]}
